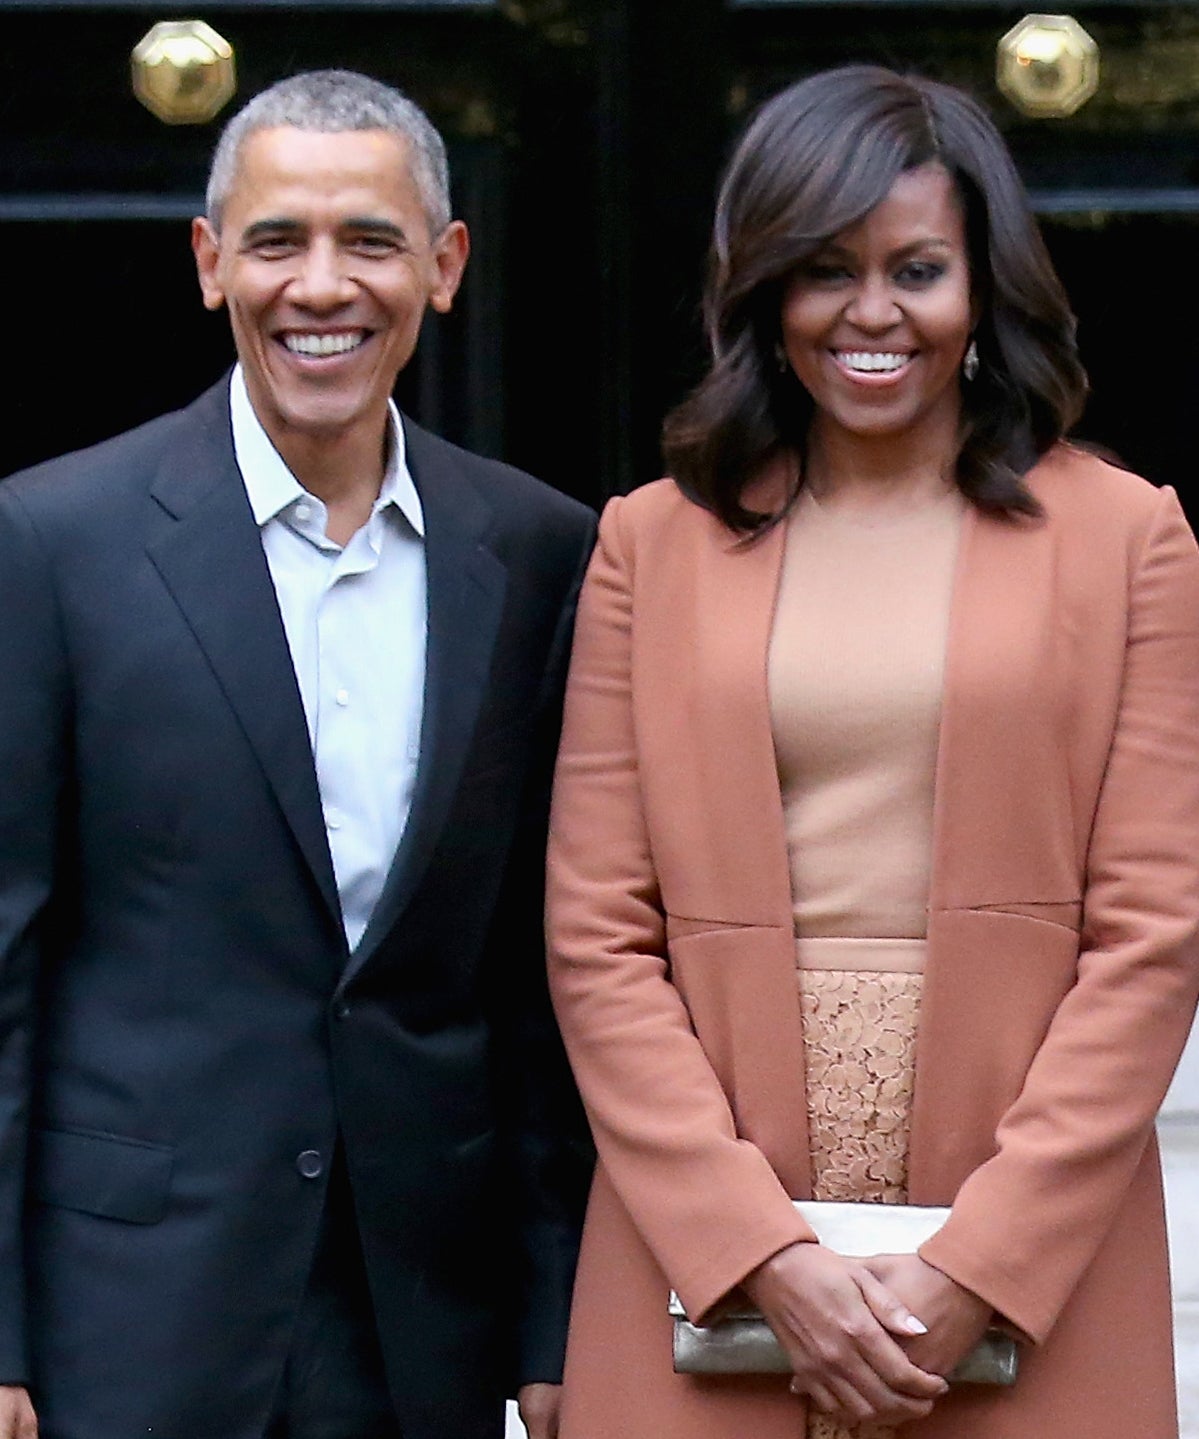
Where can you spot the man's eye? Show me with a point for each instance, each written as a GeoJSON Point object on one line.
{"type": "Point", "coordinates": [274, 247]}
{"type": "Point", "coordinates": [373, 245]}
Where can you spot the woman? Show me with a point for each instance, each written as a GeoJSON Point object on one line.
{"type": "Point", "coordinates": [874, 868]}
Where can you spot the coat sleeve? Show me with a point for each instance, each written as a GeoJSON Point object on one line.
{"type": "Point", "coordinates": [705, 1201]}
{"type": "Point", "coordinates": [33, 722]}
{"type": "Point", "coordinates": [1026, 1223]}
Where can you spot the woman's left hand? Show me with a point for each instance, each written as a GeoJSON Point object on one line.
{"type": "Point", "coordinates": [956, 1317]}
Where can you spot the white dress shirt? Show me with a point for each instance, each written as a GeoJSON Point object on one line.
{"type": "Point", "coordinates": [356, 619]}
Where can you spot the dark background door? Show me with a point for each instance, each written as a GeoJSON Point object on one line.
{"type": "Point", "coordinates": [585, 138]}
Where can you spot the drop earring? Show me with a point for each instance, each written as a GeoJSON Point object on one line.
{"type": "Point", "coordinates": [970, 361]}
{"type": "Point", "coordinates": [780, 357]}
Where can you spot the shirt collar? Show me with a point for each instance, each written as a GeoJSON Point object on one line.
{"type": "Point", "coordinates": [272, 487]}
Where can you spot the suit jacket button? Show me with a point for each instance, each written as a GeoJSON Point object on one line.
{"type": "Point", "coordinates": [310, 1164]}
{"type": "Point", "coordinates": [341, 1010]}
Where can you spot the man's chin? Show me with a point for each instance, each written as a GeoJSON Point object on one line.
{"type": "Point", "coordinates": [324, 419]}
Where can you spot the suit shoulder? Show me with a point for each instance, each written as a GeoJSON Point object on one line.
{"type": "Point", "coordinates": [513, 493]}
{"type": "Point", "coordinates": [101, 471]}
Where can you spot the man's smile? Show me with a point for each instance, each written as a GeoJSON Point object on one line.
{"type": "Point", "coordinates": [320, 343]}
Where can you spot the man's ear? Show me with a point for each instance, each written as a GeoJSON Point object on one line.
{"type": "Point", "coordinates": [450, 252]}
{"type": "Point", "coordinates": [206, 247]}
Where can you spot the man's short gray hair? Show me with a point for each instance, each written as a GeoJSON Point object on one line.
{"type": "Point", "coordinates": [332, 102]}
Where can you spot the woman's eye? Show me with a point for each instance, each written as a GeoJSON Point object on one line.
{"type": "Point", "coordinates": [823, 272]}
{"type": "Point", "coordinates": [920, 272]}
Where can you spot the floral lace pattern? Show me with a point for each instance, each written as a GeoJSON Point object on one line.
{"type": "Point", "coordinates": [820, 1426]}
{"type": "Point", "coordinates": [860, 1052]}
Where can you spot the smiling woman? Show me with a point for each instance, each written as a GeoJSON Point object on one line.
{"type": "Point", "coordinates": [826, 171]}
{"type": "Point", "coordinates": [852, 897]}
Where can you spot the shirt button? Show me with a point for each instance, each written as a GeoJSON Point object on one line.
{"type": "Point", "coordinates": [310, 1164]}
{"type": "Point", "coordinates": [342, 697]}
{"type": "Point", "coordinates": [303, 511]}
{"type": "Point", "coordinates": [332, 819]}
{"type": "Point", "coordinates": [341, 1010]}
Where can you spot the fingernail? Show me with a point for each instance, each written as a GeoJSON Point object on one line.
{"type": "Point", "coordinates": [914, 1326]}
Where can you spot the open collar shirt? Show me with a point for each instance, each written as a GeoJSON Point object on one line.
{"type": "Point", "coordinates": [356, 622]}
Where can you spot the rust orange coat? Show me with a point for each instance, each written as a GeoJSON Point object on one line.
{"type": "Point", "coordinates": [1061, 971]}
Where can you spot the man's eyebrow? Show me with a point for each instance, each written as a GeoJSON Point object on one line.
{"type": "Point", "coordinates": [373, 225]}
{"type": "Point", "coordinates": [356, 224]}
{"type": "Point", "coordinates": [275, 226]}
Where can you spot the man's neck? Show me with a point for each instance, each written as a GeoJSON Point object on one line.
{"type": "Point", "coordinates": [344, 473]}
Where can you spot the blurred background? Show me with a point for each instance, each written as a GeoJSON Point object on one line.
{"type": "Point", "coordinates": [586, 137]}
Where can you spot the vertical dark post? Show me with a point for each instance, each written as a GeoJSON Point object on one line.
{"type": "Point", "coordinates": [680, 68]}
{"type": "Point", "coordinates": [613, 219]}
{"type": "Point", "coordinates": [484, 340]}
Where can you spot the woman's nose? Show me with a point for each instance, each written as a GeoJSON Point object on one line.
{"type": "Point", "coordinates": [873, 305]}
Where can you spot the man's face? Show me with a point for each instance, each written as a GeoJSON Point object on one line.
{"type": "Point", "coordinates": [325, 260]}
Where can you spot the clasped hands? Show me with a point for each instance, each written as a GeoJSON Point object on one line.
{"type": "Point", "coordinates": [868, 1339]}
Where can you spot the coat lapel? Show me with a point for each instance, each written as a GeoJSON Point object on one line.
{"type": "Point", "coordinates": [747, 879]}
{"type": "Point", "coordinates": [996, 756]}
{"type": "Point", "coordinates": [212, 562]}
{"type": "Point", "coordinates": [466, 588]}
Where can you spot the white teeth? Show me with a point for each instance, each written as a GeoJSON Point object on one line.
{"type": "Point", "coordinates": [882, 361]}
{"type": "Point", "coordinates": [324, 344]}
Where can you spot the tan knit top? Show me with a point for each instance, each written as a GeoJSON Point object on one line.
{"type": "Point", "coordinates": [856, 670]}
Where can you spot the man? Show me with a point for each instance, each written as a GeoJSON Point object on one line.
{"type": "Point", "coordinates": [287, 1148]}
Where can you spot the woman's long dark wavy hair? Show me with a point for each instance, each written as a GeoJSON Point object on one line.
{"type": "Point", "coordinates": [815, 160]}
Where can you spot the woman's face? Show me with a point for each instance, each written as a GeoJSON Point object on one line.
{"type": "Point", "coordinates": [875, 324]}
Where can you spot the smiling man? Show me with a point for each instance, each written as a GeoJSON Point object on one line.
{"type": "Point", "coordinates": [288, 1149]}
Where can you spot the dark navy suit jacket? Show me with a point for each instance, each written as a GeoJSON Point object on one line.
{"type": "Point", "coordinates": [183, 1034]}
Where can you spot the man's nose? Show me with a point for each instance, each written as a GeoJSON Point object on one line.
{"type": "Point", "coordinates": [323, 280]}
{"type": "Point", "coordinates": [874, 306]}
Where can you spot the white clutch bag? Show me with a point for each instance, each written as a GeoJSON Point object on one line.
{"type": "Point", "coordinates": [742, 1342]}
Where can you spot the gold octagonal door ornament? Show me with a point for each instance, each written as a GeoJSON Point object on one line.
{"type": "Point", "coordinates": [1047, 66]}
{"type": "Point", "coordinates": [183, 72]}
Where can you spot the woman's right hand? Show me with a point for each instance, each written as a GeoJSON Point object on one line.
{"type": "Point", "coordinates": [836, 1321]}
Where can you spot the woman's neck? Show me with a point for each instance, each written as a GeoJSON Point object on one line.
{"type": "Point", "coordinates": [855, 472]}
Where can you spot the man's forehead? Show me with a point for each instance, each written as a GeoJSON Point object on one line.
{"type": "Point", "coordinates": [292, 152]}
{"type": "Point", "coordinates": [305, 167]}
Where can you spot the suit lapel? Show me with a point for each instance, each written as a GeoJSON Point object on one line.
{"type": "Point", "coordinates": [466, 587]}
{"type": "Point", "coordinates": [212, 562]}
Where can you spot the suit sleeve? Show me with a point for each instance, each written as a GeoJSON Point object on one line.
{"type": "Point", "coordinates": [547, 1130]}
{"type": "Point", "coordinates": [706, 1201]}
{"type": "Point", "coordinates": [1026, 1223]}
{"type": "Point", "coordinates": [32, 763]}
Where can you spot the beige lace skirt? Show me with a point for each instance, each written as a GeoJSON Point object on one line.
{"type": "Point", "coordinates": [860, 999]}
